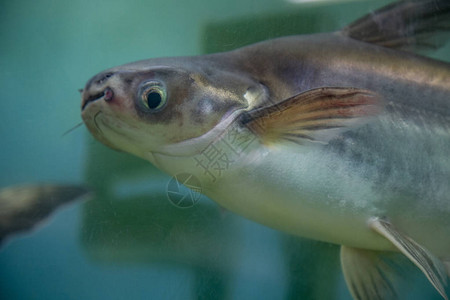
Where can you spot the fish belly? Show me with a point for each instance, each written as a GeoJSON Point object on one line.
{"type": "Point", "coordinates": [330, 192]}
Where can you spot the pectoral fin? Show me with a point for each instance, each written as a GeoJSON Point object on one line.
{"type": "Point", "coordinates": [368, 276]}
{"type": "Point", "coordinates": [316, 115]}
{"type": "Point", "coordinates": [431, 266]}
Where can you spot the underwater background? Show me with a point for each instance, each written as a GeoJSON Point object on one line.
{"type": "Point", "coordinates": [127, 240]}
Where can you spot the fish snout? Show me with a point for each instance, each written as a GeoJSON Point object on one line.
{"type": "Point", "coordinates": [107, 94]}
{"type": "Point", "coordinates": [97, 89]}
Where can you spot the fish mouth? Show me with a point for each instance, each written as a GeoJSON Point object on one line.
{"type": "Point", "coordinates": [106, 94]}
{"type": "Point", "coordinates": [92, 98]}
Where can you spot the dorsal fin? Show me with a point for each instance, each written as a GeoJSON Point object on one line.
{"type": "Point", "coordinates": [412, 25]}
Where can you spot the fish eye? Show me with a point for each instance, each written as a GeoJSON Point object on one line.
{"type": "Point", "coordinates": [153, 96]}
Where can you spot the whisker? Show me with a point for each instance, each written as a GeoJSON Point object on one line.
{"type": "Point", "coordinates": [72, 129]}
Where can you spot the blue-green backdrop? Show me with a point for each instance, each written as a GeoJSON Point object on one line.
{"type": "Point", "coordinates": [128, 241]}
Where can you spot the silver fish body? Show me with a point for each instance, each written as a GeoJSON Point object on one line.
{"type": "Point", "coordinates": [397, 165]}
{"type": "Point", "coordinates": [324, 136]}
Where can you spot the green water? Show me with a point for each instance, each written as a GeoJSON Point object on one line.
{"type": "Point", "coordinates": [128, 241]}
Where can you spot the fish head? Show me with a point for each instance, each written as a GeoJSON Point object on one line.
{"type": "Point", "coordinates": [163, 106]}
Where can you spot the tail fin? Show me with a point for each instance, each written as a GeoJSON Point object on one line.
{"type": "Point", "coordinates": [412, 25]}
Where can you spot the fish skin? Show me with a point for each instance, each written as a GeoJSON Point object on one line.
{"type": "Point", "coordinates": [415, 89]}
{"type": "Point", "coordinates": [395, 167]}
{"type": "Point", "coordinates": [307, 62]}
